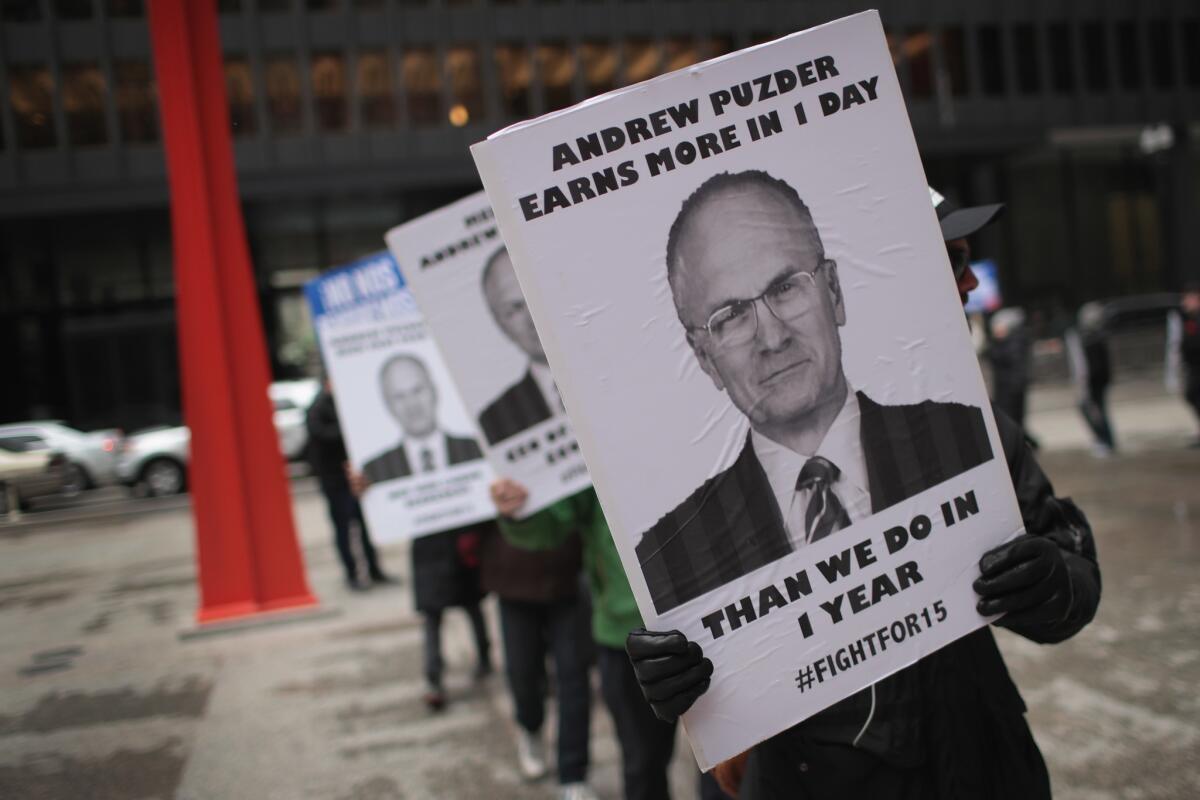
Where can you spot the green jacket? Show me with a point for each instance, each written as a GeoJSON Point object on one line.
{"type": "Point", "coordinates": [614, 611]}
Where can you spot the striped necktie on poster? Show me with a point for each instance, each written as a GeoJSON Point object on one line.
{"type": "Point", "coordinates": [824, 513]}
{"type": "Point", "coordinates": [427, 460]}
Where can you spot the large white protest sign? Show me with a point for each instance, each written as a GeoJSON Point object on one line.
{"type": "Point", "coordinates": [402, 419]}
{"type": "Point", "coordinates": [457, 266]}
{"type": "Point", "coordinates": [743, 292]}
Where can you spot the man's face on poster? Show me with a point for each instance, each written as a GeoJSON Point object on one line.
{"type": "Point", "coordinates": [507, 303]}
{"type": "Point", "coordinates": [410, 397]}
{"type": "Point", "coordinates": [785, 361]}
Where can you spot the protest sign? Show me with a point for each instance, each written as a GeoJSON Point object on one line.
{"type": "Point", "coordinates": [401, 416]}
{"type": "Point", "coordinates": [457, 266]}
{"type": "Point", "coordinates": [744, 295]}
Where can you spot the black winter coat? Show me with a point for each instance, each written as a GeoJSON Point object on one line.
{"type": "Point", "coordinates": [445, 567]}
{"type": "Point", "coordinates": [955, 726]}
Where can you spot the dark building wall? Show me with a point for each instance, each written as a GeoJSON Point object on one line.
{"type": "Point", "coordinates": [349, 116]}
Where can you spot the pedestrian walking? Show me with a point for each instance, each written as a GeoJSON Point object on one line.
{"type": "Point", "coordinates": [544, 614]}
{"type": "Point", "coordinates": [1091, 369]}
{"type": "Point", "coordinates": [445, 574]}
{"type": "Point", "coordinates": [646, 742]}
{"type": "Point", "coordinates": [1187, 334]}
{"type": "Point", "coordinates": [326, 453]}
{"type": "Point", "coordinates": [1009, 353]}
{"type": "Point", "coordinates": [445, 569]}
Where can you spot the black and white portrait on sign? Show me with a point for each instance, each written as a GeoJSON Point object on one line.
{"type": "Point", "coordinates": [408, 391]}
{"type": "Point", "coordinates": [762, 307]}
{"type": "Point", "coordinates": [461, 274]}
{"type": "Point", "coordinates": [533, 398]}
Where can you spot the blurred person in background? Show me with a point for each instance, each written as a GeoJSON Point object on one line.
{"type": "Point", "coordinates": [1187, 342]}
{"type": "Point", "coordinates": [445, 574]}
{"type": "Point", "coordinates": [326, 454]}
{"type": "Point", "coordinates": [544, 612]}
{"type": "Point", "coordinates": [1091, 369]}
{"type": "Point", "coordinates": [646, 742]}
{"type": "Point", "coordinates": [1010, 354]}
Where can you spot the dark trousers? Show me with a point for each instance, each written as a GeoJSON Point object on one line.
{"type": "Point", "coordinates": [646, 741]}
{"type": "Point", "coordinates": [344, 512]}
{"type": "Point", "coordinates": [434, 666]}
{"type": "Point", "coordinates": [1095, 413]}
{"type": "Point", "coordinates": [531, 631]}
{"type": "Point", "coordinates": [1191, 389]}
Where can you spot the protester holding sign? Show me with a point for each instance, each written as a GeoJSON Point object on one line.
{"type": "Point", "coordinates": [952, 725]}
{"type": "Point", "coordinates": [646, 742]}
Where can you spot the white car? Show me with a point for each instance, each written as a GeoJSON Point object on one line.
{"type": "Point", "coordinates": [157, 458]}
{"type": "Point", "coordinates": [290, 401]}
{"type": "Point", "coordinates": [91, 457]}
{"type": "Point", "coordinates": [28, 470]}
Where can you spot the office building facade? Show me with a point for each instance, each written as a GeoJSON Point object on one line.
{"type": "Point", "coordinates": [350, 116]}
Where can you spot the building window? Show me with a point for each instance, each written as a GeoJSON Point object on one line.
{"type": "Point", "coordinates": [1062, 57]}
{"type": "Point", "coordinates": [135, 102]}
{"type": "Point", "coordinates": [125, 8]}
{"type": "Point", "coordinates": [239, 86]}
{"type": "Point", "coordinates": [422, 86]}
{"type": "Point", "coordinates": [329, 91]}
{"type": "Point", "coordinates": [321, 5]}
{"type": "Point", "coordinates": [1191, 51]}
{"type": "Point", "coordinates": [1129, 55]}
{"type": "Point", "coordinates": [373, 84]}
{"type": "Point", "coordinates": [274, 6]}
{"type": "Point", "coordinates": [514, 72]}
{"type": "Point", "coordinates": [1162, 54]}
{"type": "Point", "coordinates": [599, 63]}
{"type": "Point", "coordinates": [229, 6]}
{"type": "Point", "coordinates": [31, 95]}
{"type": "Point", "coordinates": [466, 83]}
{"type": "Point", "coordinates": [642, 60]}
{"type": "Point", "coordinates": [916, 48]}
{"type": "Point", "coordinates": [73, 9]}
{"type": "Point", "coordinates": [556, 64]}
{"type": "Point", "coordinates": [20, 10]}
{"type": "Point", "coordinates": [283, 95]}
{"type": "Point", "coordinates": [1025, 48]}
{"type": "Point", "coordinates": [84, 96]}
{"type": "Point", "coordinates": [1095, 56]}
{"type": "Point", "coordinates": [991, 59]}
{"type": "Point", "coordinates": [681, 53]}
{"type": "Point", "coordinates": [368, 5]}
{"type": "Point", "coordinates": [954, 59]}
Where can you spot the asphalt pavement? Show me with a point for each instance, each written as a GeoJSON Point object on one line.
{"type": "Point", "coordinates": [103, 695]}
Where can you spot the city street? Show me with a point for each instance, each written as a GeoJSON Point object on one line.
{"type": "Point", "coordinates": [106, 692]}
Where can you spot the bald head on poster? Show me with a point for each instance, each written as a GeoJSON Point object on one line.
{"type": "Point", "coordinates": [763, 310]}
{"type": "Point", "coordinates": [534, 398]}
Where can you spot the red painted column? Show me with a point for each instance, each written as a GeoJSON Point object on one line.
{"type": "Point", "coordinates": [248, 558]}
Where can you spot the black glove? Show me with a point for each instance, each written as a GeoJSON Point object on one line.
{"type": "Point", "coordinates": [1028, 581]}
{"type": "Point", "coordinates": [672, 671]}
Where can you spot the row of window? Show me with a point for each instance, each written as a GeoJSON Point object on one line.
{"type": "Point", "coordinates": [1060, 57]}
{"type": "Point", "coordinates": [427, 86]}
{"type": "Point", "coordinates": [31, 10]}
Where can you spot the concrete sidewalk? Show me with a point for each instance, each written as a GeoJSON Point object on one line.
{"type": "Point", "coordinates": [101, 699]}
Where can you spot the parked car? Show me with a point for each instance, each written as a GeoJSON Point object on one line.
{"type": "Point", "coordinates": [91, 456]}
{"type": "Point", "coordinates": [157, 458]}
{"type": "Point", "coordinates": [290, 400]}
{"type": "Point", "coordinates": [28, 470]}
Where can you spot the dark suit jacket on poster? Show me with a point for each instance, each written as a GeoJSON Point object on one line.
{"type": "Point", "coordinates": [732, 524]}
{"type": "Point", "coordinates": [394, 463]}
{"type": "Point", "coordinates": [520, 407]}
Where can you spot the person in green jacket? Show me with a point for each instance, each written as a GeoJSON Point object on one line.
{"type": "Point", "coordinates": [646, 742]}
